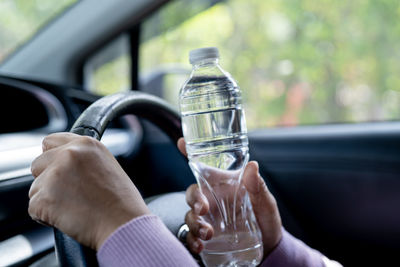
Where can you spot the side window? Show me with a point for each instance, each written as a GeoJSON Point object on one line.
{"type": "Point", "coordinates": [163, 73]}
{"type": "Point", "coordinates": [297, 62]}
{"type": "Point", "coordinates": [109, 69]}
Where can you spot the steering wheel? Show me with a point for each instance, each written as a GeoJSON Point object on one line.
{"type": "Point", "coordinates": [93, 122]}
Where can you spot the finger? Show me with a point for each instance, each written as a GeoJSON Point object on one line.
{"type": "Point", "coordinates": [196, 200]}
{"type": "Point", "coordinates": [182, 146]}
{"type": "Point", "coordinates": [250, 178]}
{"type": "Point", "coordinates": [37, 211]}
{"type": "Point", "coordinates": [32, 208]}
{"type": "Point", "coordinates": [40, 163]}
{"type": "Point", "coordinates": [263, 202]}
{"type": "Point", "coordinates": [198, 227]}
{"type": "Point", "coordinates": [35, 186]}
{"type": "Point", "coordinates": [57, 139]}
{"type": "Point", "coordinates": [194, 243]}
{"type": "Point", "coordinates": [261, 198]}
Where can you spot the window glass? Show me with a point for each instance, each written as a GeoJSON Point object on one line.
{"type": "Point", "coordinates": [21, 19]}
{"type": "Point", "coordinates": [297, 62]}
{"type": "Point", "coordinates": [109, 70]}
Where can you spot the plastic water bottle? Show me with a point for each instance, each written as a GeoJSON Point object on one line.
{"type": "Point", "coordinates": [215, 132]}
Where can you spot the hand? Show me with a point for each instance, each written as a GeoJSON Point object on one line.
{"type": "Point", "coordinates": [81, 189]}
{"type": "Point", "coordinates": [263, 202]}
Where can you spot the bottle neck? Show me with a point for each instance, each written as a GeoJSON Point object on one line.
{"type": "Point", "coordinates": [209, 62]}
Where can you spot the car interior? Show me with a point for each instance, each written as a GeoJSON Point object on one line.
{"type": "Point", "coordinates": [325, 135]}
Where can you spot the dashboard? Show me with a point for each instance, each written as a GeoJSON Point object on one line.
{"type": "Point", "coordinates": [29, 112]}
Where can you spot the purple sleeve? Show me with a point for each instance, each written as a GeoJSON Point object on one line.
{"type": "Point", "coordinates": [294, 253]}
{"type": "Point", "coordinates": [145, 242]}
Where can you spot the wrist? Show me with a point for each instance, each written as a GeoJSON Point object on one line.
{"type": "Point", "coordinates": [271, 244]}
{"type": "Point", "coordinates": [113, 223]}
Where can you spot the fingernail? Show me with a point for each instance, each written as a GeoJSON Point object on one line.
{"type": "Point", "coordinates": [197, 207]}
{"type": "Point", "coordinates": [203, 233]}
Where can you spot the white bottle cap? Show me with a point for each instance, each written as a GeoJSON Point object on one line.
{"type": "Point", "coordinates": [200, 54]}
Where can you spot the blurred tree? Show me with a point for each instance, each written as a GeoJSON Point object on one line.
{"type": "Point", "coordinates": [21, 19]}
{"type": "Point", "coordinates": [297, 61]}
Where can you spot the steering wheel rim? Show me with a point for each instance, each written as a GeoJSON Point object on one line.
{"type": "Point", "coordinates": [93, 122]}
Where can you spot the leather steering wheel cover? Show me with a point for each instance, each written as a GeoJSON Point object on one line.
{"type": "Point", "coordinates": [93, 122]}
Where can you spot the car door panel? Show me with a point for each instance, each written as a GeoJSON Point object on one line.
{"type": "Point", "coordinates": [339, 183]}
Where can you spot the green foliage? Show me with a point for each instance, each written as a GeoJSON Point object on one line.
{"type": "Point", "coordinates": [21, 19]}
{"type": "Point", "coordinates": [297, 61]}
{"type": "Point", "coordinates": [112, 77]}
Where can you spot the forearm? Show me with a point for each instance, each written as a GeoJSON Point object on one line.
{"type": "Point", "coordinates": [144, 241]}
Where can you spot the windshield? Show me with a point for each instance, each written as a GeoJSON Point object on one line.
{"type": "Point", "coordinates": [20, 20]}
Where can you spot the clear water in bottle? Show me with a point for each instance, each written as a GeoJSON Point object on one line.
{"type": "Point", "coordinates": [215, 132]}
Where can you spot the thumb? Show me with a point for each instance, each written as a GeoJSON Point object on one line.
{"type": "Point", "coordinates": [251, 178]}
{"type": "Point", "coordinates": [261, 199]}
{"type": "Point", "coordinates": [264, 205]}
{"type": "Point", "coordinates": [182, 146]}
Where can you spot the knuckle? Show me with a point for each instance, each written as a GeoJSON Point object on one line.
{"type": "Point", "coordinates": [45, 143]}
{"type": "Point", "coordinates": [202, 199]}
{"type": "Point", "coordinates": [88, 147]}
{"type": "Point", "coordinates": [193, 223]}
{"type": "Point", "coordinates": [194, 243]}
{"type": "Point", "coordinates": [36, 209]}
{"type": "Point", "coordinates": [191, 193]}
{"type": "Point", "coordinates": [57, 172]}
{"type": "Point", "coordinates": [32, 208]}
{"type": "Point", "coordinates": [80, 148]}
{"type": "Point", "coordinates": [48, 141]}
{"type": "Point", "coordinates": [195, 188]}
{"type": "Point", "coordinates": [42, 208]}
{"type": "Point", "coordinates": [87, 140]}
{"type": "Point", "coordinates": [34, 169]}
{"type": "Point", "coordinates": [188, 195]}
{"type": "Point", "coordinates": [32, 190]}
{"type": "Point", "coordinates": [90, 142]}
{"type": "Point", "coordinates": [210, 232]}
{"type": "Point", "coordinates": [70, 153]}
